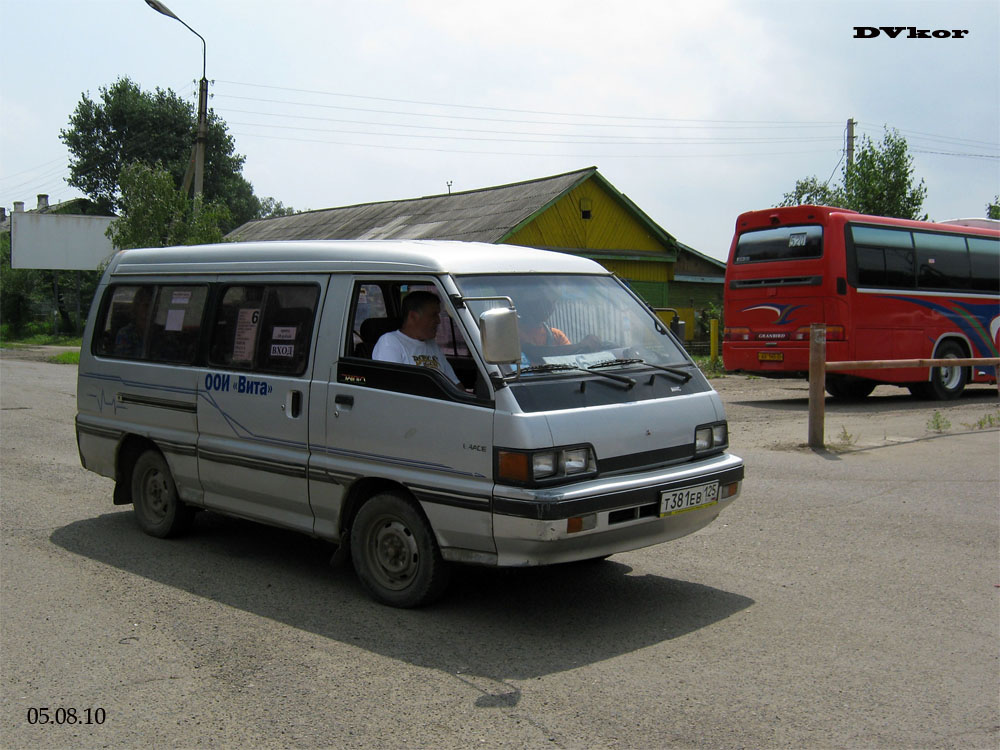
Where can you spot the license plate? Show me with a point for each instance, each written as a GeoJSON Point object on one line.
{"type": "Point", "coordinates": [770, 356]}
{"type": "Point", "coordinates": [688, 498]}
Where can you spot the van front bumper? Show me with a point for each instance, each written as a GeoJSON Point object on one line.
{"type": "Point", "coordinates": [531, 526]}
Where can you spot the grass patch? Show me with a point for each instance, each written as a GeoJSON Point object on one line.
{"type": "Point", "coordinates": [986, 422]}
{"type": "Point", "coordinates": [66, 358]}
{"type": "Point", "coordinates": [938, 422]}
{"type": "Point", "coordinates": [40, 339]}
{"type": "Point", "coordinates": [710, 370]}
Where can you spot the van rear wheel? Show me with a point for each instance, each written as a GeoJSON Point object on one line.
{"type": "Point", "coordinates": [158, 509]}
{"type": "Point", "coordinates": [395, 554]}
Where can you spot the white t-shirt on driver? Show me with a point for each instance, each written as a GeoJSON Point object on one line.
{"type": "Point", "coordinates": [396, 346]}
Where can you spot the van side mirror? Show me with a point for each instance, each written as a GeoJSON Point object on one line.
{"type": "Point", "coordinates": [501, 343]}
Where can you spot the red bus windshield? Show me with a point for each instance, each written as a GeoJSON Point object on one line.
{"type": "Point", "coordinates": [885, 289]}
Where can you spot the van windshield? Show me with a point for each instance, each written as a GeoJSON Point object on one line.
{"type": "Point", "coordinates": [576, 321]}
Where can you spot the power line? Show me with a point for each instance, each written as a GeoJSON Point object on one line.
{"type": "Point", "coordinates": [514, 153]}
{"type": "Point", "coordinates": [552, 139]}
{"type": "Point", "coordinates": [942, 138]}
{"type": "Point", "coordinates": [476, 119]}
{"type": "Point", "coordinates": [953, 153]}
{"type": "Point", "coordinates": [47, 166]}
{"type": "Point", "coordinates": [782, 123]}
{"type": "Point", "coordinates": [312, 118]}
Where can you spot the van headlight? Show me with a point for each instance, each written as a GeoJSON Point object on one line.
{"type": "Point", "coordinates": [711, 438]}
{"type": "Point", "coordinates": [544, 466]}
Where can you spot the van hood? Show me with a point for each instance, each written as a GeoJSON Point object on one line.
{"type": "Point", "coordinates": [650, 424]}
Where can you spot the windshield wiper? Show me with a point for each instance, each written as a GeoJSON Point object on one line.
{"type": "Point", "coordinates": [627, 382]}
{"type": "Point", "coordinates": [683, 375]}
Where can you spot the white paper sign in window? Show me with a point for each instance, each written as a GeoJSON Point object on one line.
{"type": "Point", "coordinates": [246, 335]}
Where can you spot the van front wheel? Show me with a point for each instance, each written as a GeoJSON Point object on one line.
{"type": "Point", "coordinates": [395, 554]}
{"type": "Point", "coordinates": [158, 510]}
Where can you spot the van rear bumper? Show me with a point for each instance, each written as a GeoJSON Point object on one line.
{"type": "Point", "coordinates": [530, 526]}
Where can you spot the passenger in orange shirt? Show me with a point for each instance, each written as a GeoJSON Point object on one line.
{"type": "Point", "coordinates": [532, 315]}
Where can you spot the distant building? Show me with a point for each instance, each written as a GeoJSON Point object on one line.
{"type": "Point", "coordinates": [579, 212]}
{"type": "Point", "coordinates": [77, 206]}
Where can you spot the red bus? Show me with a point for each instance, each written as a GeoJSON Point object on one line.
{"type": "Point", "coordinates": [885, 288]}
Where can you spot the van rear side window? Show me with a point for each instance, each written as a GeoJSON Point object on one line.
{"type": "Point", "coordinates": [265, 328]}
{"type": "Point", "coordinates": [155, 323]}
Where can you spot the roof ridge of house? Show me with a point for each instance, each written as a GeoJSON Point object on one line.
{"type": "Point", "coordinates": [581, 172]}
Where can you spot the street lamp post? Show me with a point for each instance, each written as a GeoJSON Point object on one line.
{"type": "Point", "coordinates": [202, 135]}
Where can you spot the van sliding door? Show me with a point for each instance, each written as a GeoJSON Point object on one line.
{"type": "Point", "coordinates": [253, 414]}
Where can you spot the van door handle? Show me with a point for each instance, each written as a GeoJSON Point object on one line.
{"type": "Point", "coordinates": [293, 406]}
{"type": "Point", "coordinates": [342, 401]}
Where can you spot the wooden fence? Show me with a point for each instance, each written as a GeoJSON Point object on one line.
{"type": "Point", "coordinates": [818, 367]}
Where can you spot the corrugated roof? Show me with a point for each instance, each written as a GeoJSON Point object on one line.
{"type": "Point", "coordinates": [484, 215]}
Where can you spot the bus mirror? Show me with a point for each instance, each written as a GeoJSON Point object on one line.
{"type": "Point", "coordinates": [501, 343]}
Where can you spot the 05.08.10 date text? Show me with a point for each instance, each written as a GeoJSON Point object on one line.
{"type": "Point", "coordinates": [66, 716]}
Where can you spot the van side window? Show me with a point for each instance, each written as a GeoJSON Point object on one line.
{"type": "Point", "coordinates": [173, 335]}
{"type": "Point", "coordinates": [372, 317]}
{"type": "Point", "coordinates": [449, 336]}
{"type": "Point", "coordinates": [376, 310]}
{"type": "Point", "coordinates": [369, 304]}
{"type": "Point", "coordinates": [265, 328]}
{"type": "Point", "coordinates": [123, 323]}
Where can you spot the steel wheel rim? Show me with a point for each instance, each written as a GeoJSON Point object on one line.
{"type": "Point", "coordinates": [392, 553]}
{"type": "Point", "coordinates": [950, 376]}
{"type": "Point", "coordinates": [156, 495]}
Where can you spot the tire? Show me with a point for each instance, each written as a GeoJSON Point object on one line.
{"type": "Point", "coordinates": [158, 509]}
{"type": "Point", "coordinates": [848, 388]}
{"type": "Point", "coordinates": [946, 383]}
{"type": "Point", "coordinates": [395, 554]}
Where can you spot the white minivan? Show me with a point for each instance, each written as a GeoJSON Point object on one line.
{"type": "Point", "coordinates": [239, 378]}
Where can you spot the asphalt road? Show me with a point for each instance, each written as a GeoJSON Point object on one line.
{"type": "Point", "coordinates": [848, 599]}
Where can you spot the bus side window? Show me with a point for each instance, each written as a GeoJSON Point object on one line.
{"type": "Point", "coordinates": [942, 261]}
{"type": "Point", "coordinates": [984, 257]}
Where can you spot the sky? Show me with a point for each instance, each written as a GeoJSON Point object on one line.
{"type": "Point", "coordinates": [696, 111]}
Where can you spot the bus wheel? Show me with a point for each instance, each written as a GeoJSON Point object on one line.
{"type": "Point", "coordinates": [395, 554]}
{"type": "Point", "coordinates": [158, 510]}
{"type": "Point", "coordinates": [946, 383]}
{"type": "Point", "coordinates": [847, 388]}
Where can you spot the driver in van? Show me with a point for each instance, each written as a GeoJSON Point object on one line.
{"type": "Point", "coordinates": [532, 327]}
{"type": "Point", "coordinates": [535, 332]}
{"type": "Point", "coordinates": [414, 342]}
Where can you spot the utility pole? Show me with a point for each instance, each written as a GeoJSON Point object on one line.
{"type": "Point", "coordinates": [850, 141]}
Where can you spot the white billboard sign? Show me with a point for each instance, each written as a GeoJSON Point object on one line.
{"type": "Point", "coordinates": [59, 241]}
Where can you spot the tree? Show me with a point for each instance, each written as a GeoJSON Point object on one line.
{"type": "Point", "coordinates": [993, 209]}
{"type": "Point", "coordinates": [154, 213]}
{"type": "Point", "coordinates": [129, 125]}
{"type": "Point", "coordinates": [18, 287]}
{"type": "Point", "coordinates": [878, 182]}
{"type": "Point", "coordinates": [271, 208]}
{"type": "Point", "coordinates": [816, 193]}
